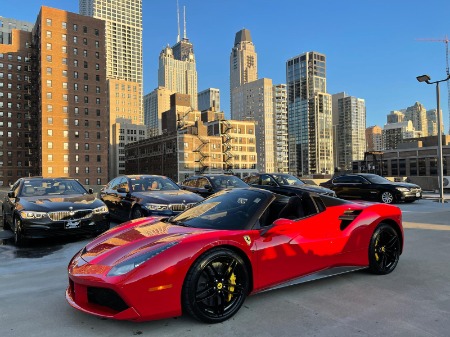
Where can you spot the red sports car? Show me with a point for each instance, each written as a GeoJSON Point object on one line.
{"type": "Point", "coordinates": [206, 260]}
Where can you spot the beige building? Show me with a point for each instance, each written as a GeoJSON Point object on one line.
{"type": "Point", "coordinates": [155, 103]}
{"type": "Point", "coordinates": [253, 101]}
{"type": "Point", "coordinates": [417, 114]}
{"type": "Point", "coordinates": [396, 133]}
{"type": "Point", "coordinates": [432, 121]}
{"type": "Point", "coordinates": [395, 117]}
{"type": "Point", "coordinates": [243, 63]}
{"type": "Point", "coordinates": [281, 128]}
{"type": "Point", "coordinates": [194, 142]}
{"type": "Point", "coordinates": [123, 40]}
{"type": "Point", "coordinates": [374, 138]}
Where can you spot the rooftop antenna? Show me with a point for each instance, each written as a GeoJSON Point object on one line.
{"type": "Point", "coordinates": [184, 14]}
{"type": "Point", "coordinates": [178, 21]}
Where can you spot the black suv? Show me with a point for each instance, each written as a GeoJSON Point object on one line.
{"type": "Point", "coordinates": [285, 184]}
{"type": "Point", "coordinates": [208, 184]}
{"type": "Point", "coordinates": [368, 186]}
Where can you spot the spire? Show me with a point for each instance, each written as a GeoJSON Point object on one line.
{"type": "Point", "coordinates": [178, 21]}
{"type": "Point", "coordinates": [184, 14]}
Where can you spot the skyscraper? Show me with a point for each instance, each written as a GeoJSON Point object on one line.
{"type": "Point", "coordinates": [243, 63]}
{"type": "Point", "coordinates": [209, 98]}
{"type": "Point", "coordinates": [417, 114]}
{"type": "Point", "coordinates": [281, 128]}
{"type": "Point", "coordinates": [349, 117]}
{"type": "Point", "coordinates": [123, 22]}
{"type": "Point", "coordinates": [177, 68]}
{"type": "Point", "coordinates": [374, 138]}
{"type": "Point", "coordinates": [309, 117]}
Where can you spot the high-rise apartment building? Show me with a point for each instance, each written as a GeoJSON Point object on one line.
{"type": "Point", "coordinates": [395, 117]}
{"type": "Point", "coordinates": [209, 99]}
{"type": "Point", "coordinates": [432, 121]}
{"type": "Point", "coordinates": [417, 114]}
{"type": "Point", "coordinates": [123, 32]}
{"type": "Point", "coordinates": [18, 121]}
{"type": "Point", "coordinates": [281, 128]}
{"type": "Point", "coordinates": [243, 63]}
{"type": "Point", "coordinates": [349, 119]}
{"type": "Point", "coordinates": [177, 69]}
{"type": "Point", "coordinates": [395, 133]}
{"type": "Point", "coordinates": [69, 76]}
{"type": "Point", "coordinates": [374, 139]}
{"type": "Point", "coordinates": [155, 103]}
{"type": "Point", "coordinates": [254, 102]}
{"type": "Point", "coordinates": [309, 115]}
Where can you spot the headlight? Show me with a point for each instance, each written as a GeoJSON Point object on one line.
{"type": "Point", "coordinates": [32, 215]}
{"type": "Point", "coordinates": [156, 207]}
{"type": "Point", "coordinates": [128, 265]}
{"type": "Point", "coordinates": [402, 189]}
{"type": "Point", "coordinates": [100, 210]}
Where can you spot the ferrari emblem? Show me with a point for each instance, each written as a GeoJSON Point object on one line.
{"type": "Point", "coordinates": [247, 239]}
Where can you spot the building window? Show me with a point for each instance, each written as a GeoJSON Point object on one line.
{"type": "Point", "coordinates": [75, 39]}
{"type": "Point", "coordinates": [75, 27]}
{"type": "Point", "coordinates": [96, 32]}
{"type": "Point", "coordinates": [49, 145]}
{"type": "Point", "coordinates": [86, 158]}
{"type": "Point", "coordinates": [85, 53]}
{"type": "Point", "coordinates": [49, 22]}
{"type": "Point", "coordinates": [75, 51]}
{"type": "Point", "coordinates": [86, 181]}
{"type": "Point", "coordinates": [49, 157]}
{"type": "Point", "coordinates": [66, 146]}
{"type": "Point", "coordinates": [64, 25]}
{"type": "Point", "coordinates": [85, 41]}
{"type": "Point", "coordinates": [50, 169]}
{"type": "Point", "coordinates": [49, 34]}
{"type": "Point", "coordinates": [86, 146]}
{"type": "Point", "coordinates": [64, 37]}
{"type": "Point", "coordinates": [97, 66]}
{"type": "Point", "coordinates": [66, 158]}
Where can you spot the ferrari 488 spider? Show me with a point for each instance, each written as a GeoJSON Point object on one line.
{"type": "Point", "coordinates": [206, 260]}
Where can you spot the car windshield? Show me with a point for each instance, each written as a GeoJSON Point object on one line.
{"type": "Point", "coordinates": [152, 183]}
{"type": "Point", "coordinates": [51, 187]}
{"type": "Point", "coordinates": [230, 209]}
{"type": "Point", "coordinates": [227, 182]}
{"type": "Point", "coordinates": [287, 179]}
{"type": "Point", "coordinates": [374, 179]}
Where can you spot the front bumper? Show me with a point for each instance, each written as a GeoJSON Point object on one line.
{"type": "Point", "coordinates": [44, 228]}
{"type": "Point", "coordinates": [410, 195]}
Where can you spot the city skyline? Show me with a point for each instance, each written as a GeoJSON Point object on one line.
{"type": "Point", "coordinates": [372, 50]}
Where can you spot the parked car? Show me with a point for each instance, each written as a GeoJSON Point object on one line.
{"type": "Point", "coordinates": [367, 186]}
{"type": "Point", "coordinates": [39, 207]}
{"type": "Point", "coordinates": [283, 183]}
{"type": "Point", "coordinates": [135, 196]}
{"type": "Point", "coordinates": [208, 184]}
{"type": "Point", "coordinates": [236, 243]}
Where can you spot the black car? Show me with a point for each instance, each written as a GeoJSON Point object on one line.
{"type": "Point", "coordinates": [135, 196]}
{"type": "Point", "coordinates": [366, 186]}
{"type": "Point", "coordinates": [39, 207]}
{"type": "Point", "coordinates": [208, 184]}
{"type": "Point", "coordinates": [285, 184]}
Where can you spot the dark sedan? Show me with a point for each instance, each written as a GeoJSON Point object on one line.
{"type": "Point", "coordinates": [135, 196]}
{"type": "Point", "coordinates": [38, 207]}
{"type": "Point", "coordinates": [208, 184]}
{"type": "Point", "coordinates": [285, 184]}
{"type": "Point", "coordinates": [366, 186]}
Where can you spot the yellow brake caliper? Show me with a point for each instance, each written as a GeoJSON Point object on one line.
{"type": "Point", "coordinates": [231, 286]}
{"type": "Point", "coordinates": [376, 253]}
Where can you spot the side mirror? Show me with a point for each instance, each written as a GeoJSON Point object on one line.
{"type": "Point", "coordinates": [276, 223]}
{"type": "Point", "coordinates": [90, 191]}
{"type": "Point", "coordinates": [121, 190]}
{"type": "Point", "coordinates": [207, 187]}
{"type": "Point", "coordinates": [11, 194]}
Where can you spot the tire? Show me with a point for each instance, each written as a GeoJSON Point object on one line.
{"type": "Point", "coordinates": [137, 213]}
{"type": "Point", "coordinates": [384, 250]}
{"type": "Point", "coordinates": [387, 197]}
{"type": "Point", "coordinates": [215, 286]}
{"type": "Point", "coordinates": [19, 240]}
{"type": "Point", "coordinates": [4, 222]}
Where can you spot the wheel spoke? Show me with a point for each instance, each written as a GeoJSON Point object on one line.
{"type": "Point", "coordinates": [231, 268]}
{"type": "Point", "coordinates": [392, 242]}
{"type": "Point", "coordinates": [205, 294]}
{"type": "Point", "coordinates": [383, 262]}
{"type": "Point", "coordinates": [211, 273]}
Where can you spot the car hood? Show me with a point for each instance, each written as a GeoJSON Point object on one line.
{"type": "Point", "coordinates": [169, 197]}
{"type": "Point", "coordinates": [133, 238]}
{"type": "Point", "coordinates": [312, 188]}
{"type": "Point", "coordinates": [57, 203]}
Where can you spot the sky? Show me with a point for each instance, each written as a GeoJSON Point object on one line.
{"type": "Point", "coordinates": [373, 48]}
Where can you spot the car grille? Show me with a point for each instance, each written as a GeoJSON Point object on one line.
{"type": "Point", "coordinates": [107, 298]}
{"type": "Point", "coordinates": [180, 207]}
{"type": "Point", "coordinates": [415, 190]}
{"type": "Point", "coordinates": [70, 215]}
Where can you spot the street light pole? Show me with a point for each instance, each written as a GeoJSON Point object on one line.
{"type": "Point", "coordinates": [426, 79]}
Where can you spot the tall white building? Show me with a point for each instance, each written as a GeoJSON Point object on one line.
{"type": "Point", "coordinates": [254, 102]}
{"type": "Point", "coordinates": [243, 63]}
{"type": "Point", "coordinates": [281, 128]}
{"type": "Point", "coordinates": [209, 99]}
{"type": "Point", "coordinates": [123, 21]}
{"type": "Point", "coordinates": [309, 115]}
{"type": "Point", "coordinates": [177, 69]}
{"type": "Point", "coordinates": [349, 119]}
{"type": "Point", "coordinates": [417, 114]}
{"type": "Point", "coordinates": [155, 103]}
{"type": "Point", "coordinates": [432, 122]}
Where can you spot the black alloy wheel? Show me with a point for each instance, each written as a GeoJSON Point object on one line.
{"type": "Point", "coordinates": [215, 286]}
{"type": "Point", "coordinates": [19, 240]}
{"type": "Point", "coordinates": [387, 197]}
{"type": "Point", "coordinates": [137, 213]}
{"type": "Point", "coordinates": [384, 250]}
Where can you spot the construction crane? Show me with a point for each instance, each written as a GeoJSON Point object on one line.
{"type": "Point", "coordinates": [446, 41]}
